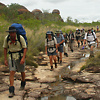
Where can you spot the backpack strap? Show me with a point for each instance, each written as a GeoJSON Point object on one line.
{"type": "Point", "coordinates": [18, 37]}
{"type": "Point", "coordinates": [8, 38]}
{"type": "Point", "coordinates": [93, 36]}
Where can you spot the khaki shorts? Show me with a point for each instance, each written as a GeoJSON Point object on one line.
{"type": "Point", "coordinates": [16, 66]}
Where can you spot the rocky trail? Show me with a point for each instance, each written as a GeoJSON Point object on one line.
{"type": "Point", "coordinates": [65, 80]}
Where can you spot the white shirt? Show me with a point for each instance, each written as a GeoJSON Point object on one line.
{"type": "Point", "coordinates": [90, 37]}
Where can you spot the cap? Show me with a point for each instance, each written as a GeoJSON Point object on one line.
{"type": "Point", "coordinates": [49, 32]}
{"type": "Point", "coordinates": [76, 29]}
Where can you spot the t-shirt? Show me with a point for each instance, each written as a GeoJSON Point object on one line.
{"type": "Point", "coordinates": [14, 47]}
{"type": "Point", "coordinates": [59, 38]}
{"type": "Point", "coordinates": [90, 37]}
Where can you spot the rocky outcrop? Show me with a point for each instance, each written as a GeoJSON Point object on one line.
{"type": "Point", "coordinates": [56, 11]}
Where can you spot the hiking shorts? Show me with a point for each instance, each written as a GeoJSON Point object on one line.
{"type": "Point", "coordinates": [52, 54]}
{"type": "Point", "coordinates": [16, 66]}
{"type": "Point", "coordinates": [60, 49]}
{"type": "Point", "coordinates": [78, 38]}
{"type": "Point", "coordinates": [93, 44]}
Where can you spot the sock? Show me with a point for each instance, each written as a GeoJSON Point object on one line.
{"type": "Point", "coordinates": [51, 67]}
{"type": "Point", "coordinates": [11, 89]}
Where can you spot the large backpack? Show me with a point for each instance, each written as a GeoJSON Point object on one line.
{"type": "Point", "coordinates": [20, 31]}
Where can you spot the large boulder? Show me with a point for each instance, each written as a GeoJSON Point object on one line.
{"type": "Point", "coordinates": [56, 11]}
{"type": "Point", "coordinates": [22, 10]}
{"type": "Point", "coordinates": [36, 11]}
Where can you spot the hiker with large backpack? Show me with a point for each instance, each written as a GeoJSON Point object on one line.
{"type": "Point", "coordinates": [91, 38]}
{"type": "Point", "coordinates": [16, 46]}
{"type": "Point", "coordinates": [66, 45]}
{"type": "Point", "coordinates": [82, 36]}
{"type": "Point", "coordinates": [78, 36]}
{"type": "Point", "coordinates": [51, 48]}
{"type": "Point", "coordinates": [60, 41]}
{"type": "Point", "coordinates": [71, 40]}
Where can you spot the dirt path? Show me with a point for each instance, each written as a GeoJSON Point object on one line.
{"type": "Point", "coordinates": [37, 78]}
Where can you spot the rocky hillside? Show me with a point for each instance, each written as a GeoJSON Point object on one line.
{"type": "Point", "coordinates": [36, 13]}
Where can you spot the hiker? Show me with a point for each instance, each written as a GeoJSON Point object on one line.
{"type": "Point", "coordinates": [92, 30]}
{"type": "Point", "coordinates": [78, 36]}
{"type": "Point", "coordinates": [60, 40]}
{"type": "Point", "coordinates": [66, 38]}
{"type": "Point", "coordinates": [16, 60]}
{"type": "Point", "coordinates": [82, 36]}
{"type": "Point", "coordinates": [51, 48]}
{"type": "Point", "coordinates": [97, 28]}
{"type": "Point", "coordinates": [71, 40]}
{"type": "Point", "coordinates": [66, 45]}
{"type": "Point", "coordinates": [91, 38]}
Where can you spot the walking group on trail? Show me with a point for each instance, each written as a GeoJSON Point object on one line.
{"type": "Point", "coordinates": [54, 48]}
{"type": "Point", "coordinates": [15, 43]}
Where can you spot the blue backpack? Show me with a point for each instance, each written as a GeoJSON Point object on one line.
{"type": "Point", "coordinates": [20, 31]}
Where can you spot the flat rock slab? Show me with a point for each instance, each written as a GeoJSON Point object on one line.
{"type": "Point", "coordinates": [83, 77]}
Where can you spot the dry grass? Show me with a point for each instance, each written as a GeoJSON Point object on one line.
{"type": "Point", "coordinates": [74, 27]}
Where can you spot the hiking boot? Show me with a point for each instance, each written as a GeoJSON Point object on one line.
{"type": "Point", "coordinates": [51, 68]}
{"type": "Point", "coordinates": [71, 50]}
{"type": "Point", "coordinates": [66, 54]}
{"type": "Point", "coordinates": [55, 65]}
{"type": "Point", "coordinates": [23, 83]}
{"type": "Point", "coordinates": [11, 91]}
{"type": "Point", "coordinates": [60, 61]}
{"type": "Point", "coordinates": [11, 95]}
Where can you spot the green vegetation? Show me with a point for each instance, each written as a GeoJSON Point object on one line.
{"type": "Point", "coordinates": [95, 61]}
{"type": "Point", "coordinates": [35, 28]}
{"type": "Point", "coordinates": [69, 21]}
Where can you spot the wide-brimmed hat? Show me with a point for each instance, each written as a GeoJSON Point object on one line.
{"type": "Point", "coordinates": [12, 29]}
{"type": "Point", "coordinates": [58, 32]}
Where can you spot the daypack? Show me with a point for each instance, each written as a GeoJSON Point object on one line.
{"type": "Point", "coordinates": [20, 31]}
{"type": "Point", "coordinates": [52, 37]}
